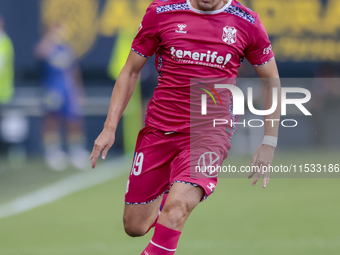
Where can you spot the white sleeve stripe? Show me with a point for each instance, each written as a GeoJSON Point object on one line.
{"type": "Point", "coordinates": [161, 247]}
{"type": "Point", "coordinates": [265, 62]}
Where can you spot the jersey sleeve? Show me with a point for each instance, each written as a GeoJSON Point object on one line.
{"type": "Point", "coordinates": [147, 39]}
{"type": "Point", "coordinates": [259, 50]}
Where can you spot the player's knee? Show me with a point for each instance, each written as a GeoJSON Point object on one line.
{"type": "Point", "coordinates": [134, 229]}
{"type": "Point", "coordinates": [176, 212]}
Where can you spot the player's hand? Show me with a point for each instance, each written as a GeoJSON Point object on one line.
{"type": "Point", "coordinates": [102, 145]}
{"type": "Point", "coordinates": [263, 157]}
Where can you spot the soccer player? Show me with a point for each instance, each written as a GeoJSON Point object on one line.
{"type": "Point", "coordinates": [64, 91]}
{"type": "Point", "coordinates": [191, 39]}
{"type": "Point", "coordinates": [6, 65]}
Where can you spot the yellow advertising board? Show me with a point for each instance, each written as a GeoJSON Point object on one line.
{"type": "Point", "coordinates": [301, 30]}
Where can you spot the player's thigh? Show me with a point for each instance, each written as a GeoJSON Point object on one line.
{"type": "Point", "coordinates": [150, 171]}
{"type": "Point", "coordinates": [141, 216]}
{"type": "Point", "coordinates": [144, 191]}
{"type": "Point", "coordinates": [186, 194]}
{"type": "Point", "coordinates": [149, 176]}
{"type": "Point", "coordinates": [182, 199]}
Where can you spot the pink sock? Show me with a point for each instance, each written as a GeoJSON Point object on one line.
{"type": "Point", "coordinates": [163, 242]}
{"type": "Point", "coordinates": [160, 209]}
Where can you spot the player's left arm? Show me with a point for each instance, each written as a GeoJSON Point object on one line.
{"type": "Point", "coordinates": [265, 152]}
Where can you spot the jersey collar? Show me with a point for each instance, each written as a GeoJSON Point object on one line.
{"type": "Point", "coordinates": [209, 12]}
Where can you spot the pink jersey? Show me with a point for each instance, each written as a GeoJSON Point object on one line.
{"type": "Point", "coordinates": [189, 44]}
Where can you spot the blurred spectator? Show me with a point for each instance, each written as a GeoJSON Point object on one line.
{"type": "Point", "coordinates": [6, 65]}
{"type": "Point", "coordinates": [13, 125]}
{"type": "Point", "coordinates": [64, 90]}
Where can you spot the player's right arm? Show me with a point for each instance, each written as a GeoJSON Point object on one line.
{"type": "Point", "coordinates": [144, 46]}
{"type": "Point", "coordinates": [121, 95]}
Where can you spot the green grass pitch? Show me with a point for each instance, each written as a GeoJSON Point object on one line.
{"type": "Point", "coordinates": [291, 216]}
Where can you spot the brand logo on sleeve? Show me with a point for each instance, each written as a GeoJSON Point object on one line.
{"type": "Point", "coordinates": [266, 51]}
{"type": "Point", "coordinates": [229, 35]}
{"type": "Point", "coordinates": [181, 29]}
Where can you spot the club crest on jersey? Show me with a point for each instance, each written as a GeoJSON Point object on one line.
{"type": "Point", "coordinates": [229, 35]}
{"type": "Point", "coordinates": [181, 29]}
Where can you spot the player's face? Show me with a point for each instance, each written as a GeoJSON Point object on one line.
{"type": "Point", "coordinates": [207, 5]}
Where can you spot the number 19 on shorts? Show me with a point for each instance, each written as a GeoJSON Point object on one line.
{"type": "Point", "coordinates": [137, 164]}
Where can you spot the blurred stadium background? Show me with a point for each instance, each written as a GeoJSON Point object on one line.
{"type": "Point", "coordinates": [79, 212]}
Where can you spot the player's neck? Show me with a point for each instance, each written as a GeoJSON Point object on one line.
{"type": "Point", "coordinates": [206, 7]}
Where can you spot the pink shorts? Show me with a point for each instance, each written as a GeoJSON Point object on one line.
{"type": "Point", "coordinates": [164, 158]}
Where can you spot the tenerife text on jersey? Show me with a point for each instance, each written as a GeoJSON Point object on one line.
{"type": "Point", "coordinates": [208, 57]}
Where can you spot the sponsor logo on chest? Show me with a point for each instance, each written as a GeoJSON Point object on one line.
{"type": "Point", "coordinates": [209, 57]}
